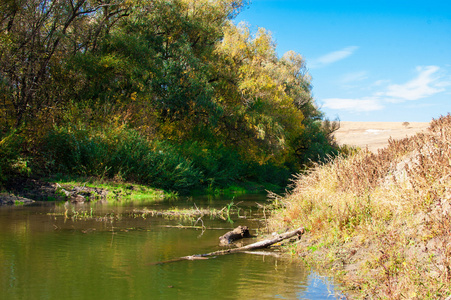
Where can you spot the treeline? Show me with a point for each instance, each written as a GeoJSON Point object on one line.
{"type": "Point", "coordinates": [169, 93]}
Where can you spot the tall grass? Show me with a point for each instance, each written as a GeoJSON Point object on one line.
{"type": "Point", "coordinates": [220, 166]}
{"type": "Point", "coordinates": [123, 154]}
{"type": "Point", "coordinates": [119, 153]}
{"type": "Point", "coordinates": [380, 221]}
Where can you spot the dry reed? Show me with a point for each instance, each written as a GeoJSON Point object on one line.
{"type": "Point", "coordinates": [380, 222]}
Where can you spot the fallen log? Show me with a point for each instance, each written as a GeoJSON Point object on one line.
{"type": "Point", "coordinates": [236, 234]}
{"type": "Point", "coordinates": [258, 245]}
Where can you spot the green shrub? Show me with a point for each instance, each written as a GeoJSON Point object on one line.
{"type": "Point", "coordinates": [220, 166]}
{"type": "Point", "coordinates": [11, 161]}
{"type": "Point", "coordinates": [118, 154]}
{"type": "Point", "coordinates": [125, 154]}
{"type": "Point", "coordinates": [269, 173]}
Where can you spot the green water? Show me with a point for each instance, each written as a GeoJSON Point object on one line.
{"type": "Point", "coordinates": [47, 255]}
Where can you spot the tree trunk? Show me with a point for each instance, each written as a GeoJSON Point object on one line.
{"type": "Point", "coordinates": [258, 245]}
{"type": "Point", "coordinates": [236, 234]}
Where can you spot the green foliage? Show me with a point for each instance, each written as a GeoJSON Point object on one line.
{"type": "Point", "coordinates": [36, 37]}
{"type": "Point", "coordinates": [269, 173]}
{"type": "Point", "coordinates": [166, 93]}
{"type": "Point", "coordinates": [11, 161]}
{"type": "Point", "coordinates": [316, 144]}
{"type": "Point", "coordinates": [118, 154]}
{"type": "Point", "coordinates": [220, 166]}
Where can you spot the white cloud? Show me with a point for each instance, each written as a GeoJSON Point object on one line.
{"type": "Point", "coordinates": [353, 105]}
{"type": "Point", "coordinates": [353, 77]}
{"type": "Point", "coordinates": [332, 57]}
{"type": "Point", "coordinates": [380, 82]}
{"type": "Point", "coordinates": [426, 84]}
{"type": "Point", "coordinates": [443, 84]}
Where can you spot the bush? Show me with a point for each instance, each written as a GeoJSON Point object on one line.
{"type": "Point", "coordinates": [269, 173]}
{"type": "Point", "coordinates": [124, 154]}
{"type": "Point", "coordinates": [118, 154]}
{"type": "Point", "coordinates": [11, 162]}
{"type": "Point", "coordinates": [220, 166]}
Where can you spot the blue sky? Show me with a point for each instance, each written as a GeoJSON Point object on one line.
{"type": "Point", "coordinates": [376, 61]}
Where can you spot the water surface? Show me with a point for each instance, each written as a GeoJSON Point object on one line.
{"type": "Point", "coordinates": [61, 251]}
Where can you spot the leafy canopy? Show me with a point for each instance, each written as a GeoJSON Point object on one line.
{"type": "Point", "coordinates": [173, 71]}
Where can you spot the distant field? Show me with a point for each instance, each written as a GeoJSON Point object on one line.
{"type": "Point", "coordinates": [375, 135]}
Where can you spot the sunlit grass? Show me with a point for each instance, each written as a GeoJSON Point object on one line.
{"type": "Point", "coordinates": [114, 190]}
{"type": "Point", "coordinates": [380, 222]}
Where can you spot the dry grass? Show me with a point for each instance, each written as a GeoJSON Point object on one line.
{"type": "Point", "coordinates": [380, 221]}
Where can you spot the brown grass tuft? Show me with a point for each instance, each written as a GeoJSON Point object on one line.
{"type": "Point", "coordinates": [381, 222]}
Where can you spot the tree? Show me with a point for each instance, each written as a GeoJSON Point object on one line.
{"type": "Point", "coordinates": [36, 35]}
{"type": "Point", "coordinates": [162, 58]}
{"type": "Point", "coordinates": [257, 91]}
{"type": "Point", "coordinates": [173, 70]}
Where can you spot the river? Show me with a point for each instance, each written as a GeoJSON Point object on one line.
{"type": "Point", "coordinates": [109, 251]}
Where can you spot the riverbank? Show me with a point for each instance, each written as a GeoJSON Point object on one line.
{"type": "Point", "coordinates": [25, 190]}
{"type": "Point", "coordinates": [77, 190]}
{"type": "Point", "coordinates": [379, 222]}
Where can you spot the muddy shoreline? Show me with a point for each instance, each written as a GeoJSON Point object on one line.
{"type": "Point", "coordinates": [25, 190]}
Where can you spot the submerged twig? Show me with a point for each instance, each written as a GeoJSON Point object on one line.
{"type": "Point", "coordinates": [192, 227]}
{"type": "Point", "coordinates": [200, 219]}
{"type": "Point", "coordinates": [258, 245]}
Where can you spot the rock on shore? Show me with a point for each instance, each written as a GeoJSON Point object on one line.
{"type": "Point", "coordinates": [8, 199]}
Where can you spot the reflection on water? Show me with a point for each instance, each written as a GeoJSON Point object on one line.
{"type": "Point", "coordinates": [45, 255]}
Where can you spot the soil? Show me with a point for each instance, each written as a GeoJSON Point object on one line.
{"type": "Point", "coordinates": [375, 135]}
{"type": "Point", "coordinates": [27, 190]}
